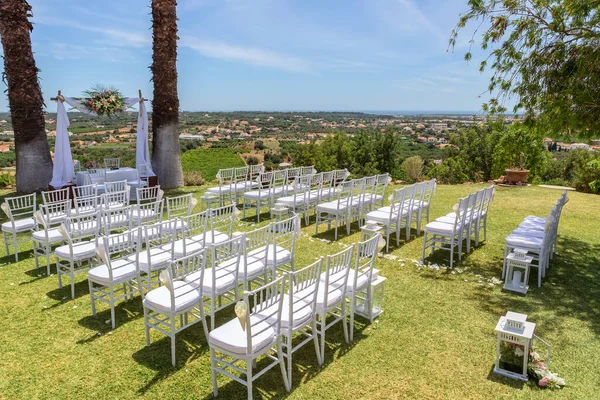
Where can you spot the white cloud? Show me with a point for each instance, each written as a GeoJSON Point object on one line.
{"type": "Point", "coordinates": [248, 55]}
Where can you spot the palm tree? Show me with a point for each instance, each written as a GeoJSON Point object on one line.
{"type": "Point", "coordinates": [166, 157]}
{"type": "Point", "coordinates": [34, 164]}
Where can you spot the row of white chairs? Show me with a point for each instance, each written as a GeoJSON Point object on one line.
{"type": "Point", "coordinates": [352, 200]}
{"type": "Point", "coordinates": [235, 181]}
{"type": "Point", "coordinates": [275, 320]}
{"type": "Point", "coordinates": [275, 185]}
{"type": "Point", "coordinates": [538, 236]}
{"type": "Point", "coordinates": [113, 212]}
{"type": "Point", "coordinates": [408, 205]}
{"type": "Point", "coordinates": [468, 218]}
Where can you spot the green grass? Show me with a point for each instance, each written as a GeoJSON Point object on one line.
{"type": "Point", "coordinates": [209, 161]}
{"type": "Point", "coordinates": [435, 339]}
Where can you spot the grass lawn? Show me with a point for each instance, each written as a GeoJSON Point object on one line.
{"type": "Point", "coordinates": [435, 339]}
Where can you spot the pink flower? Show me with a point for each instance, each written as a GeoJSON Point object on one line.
{"type": "Point", "coordinates": [543, 382]}
{"type": "Point", "coordinates": [541, 365]}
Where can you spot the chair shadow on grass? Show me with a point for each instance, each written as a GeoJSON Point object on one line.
{"type": "Point", "coordinates": [64, 293]}
{"type": "Point", "coordinates": [514, 383]}
{"type": "Point", "coordinates": [571, 288]}
{"type": "Point", "coordinates": [125, 311]}
{"type": "Point", "coordinates": [304, 364]}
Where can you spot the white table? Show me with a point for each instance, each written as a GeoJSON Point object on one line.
{"type": "Point", "coordinates": [121, 174]}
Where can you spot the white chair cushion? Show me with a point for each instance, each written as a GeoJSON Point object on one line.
{"type": "Point", "coordinates": [179, 225]}
{"type": "Point", "coordinates": [380, 216]}
{"type": "Point", "coordinates": [439, 227]}
{"type": "Point", "coordinates": [283, 255]}
{"type": "Point", "coordinates": [334, 296]}
{"type": "Point", "coordinates": [191, 246]}
{"type": "Point", "coordinates": [223, 282]}
{"type": "Point", "coordinates": [217, 190]}
{"type": "Point", "coordinates": [532, 225]}
{"type": "Point", "coordinates": [533, 218]}
{"type": "Point", "coordinates": [20, 225]}
{"type": "Point", "coordinates": [336, 279]}
{"type": "Point", "coordinates": [144, 213]}
{"type": "Point", "coordinates": [81, 251]}
{"type": "Point", "coordinates": [529, 232]}
{"type": "Point", "coordinates": [302, 312]}
{"type": "Point", "coordinates": [232, 338]}
{"type": "Point", "coordinates": [123, 270]}
{"type": "Point", "coordinates": [216, 238]}
{"type": "Point", "coordinates": [255, 194]}
{"type": "Point", "coordinates": [255, 267]}
{"type": "Point", "coordinates": [54, 236]}
{"type": "Point", "coordinates": [331, 207]}
{"type": "Point", "coordinates": [289, 200]}
{"type": "Point", "coordinates": [523, 241]}
{"type": "Point", "coordinates": [157, 260]}
{"type": "Point", "coordinates": [186, 296]}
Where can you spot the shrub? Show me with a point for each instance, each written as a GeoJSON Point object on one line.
{"type": "Point", "coordinates": [7, 179]}
{"type": "Point", "coordinates": [413, 167]}
{"type": "Point", "coordinates": [193, 178]}
{"type": "Point", "coordinates": [252, 160]}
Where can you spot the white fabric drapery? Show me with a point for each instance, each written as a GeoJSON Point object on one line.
{"type": "Point", "coordinates": [63, 170]}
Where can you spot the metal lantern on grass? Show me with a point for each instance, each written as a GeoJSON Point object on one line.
{"type": "Point", "coordinates": [514, 340]}
{"type": "Point", "coordinates": [518, 264]}
{"type": "Point", "coordinates": [372, 307]}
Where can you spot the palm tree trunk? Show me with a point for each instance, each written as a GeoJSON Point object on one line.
{"type": "Point", "coordinates": [166, 157]}
{"type": "Point", "coordinates": [34, 164]}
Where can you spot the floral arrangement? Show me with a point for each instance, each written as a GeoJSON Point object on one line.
{"type": "Point", "coordinates": [512, 355]}
{"type": "Point", "coordinates": [92, 165]}
{"type": "Point", "coordinates": [104, 101]}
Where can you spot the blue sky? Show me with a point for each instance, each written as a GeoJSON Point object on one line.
{"type": "Point", "coordinates": [266, 54]}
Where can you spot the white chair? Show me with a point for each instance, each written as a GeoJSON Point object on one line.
{"type": "Point", "coordinates": [116, 186]}
{"type": "Point", "coordinates": [137, 181]}
{"type": "Point", "coordinates": [470, 217]}
{"type": "Point", "coordinates": [300, 201]}
{"type": "Point", "coordinates": [147, 213]}
{"type": "Point", "coordinates": [144, 174]}
{"type": "Point", "coordinates": [339, 176]}
{"type": "Point", "coordinates": [56, 196]}
{"type": "Point", "coordinates": [327, 191]}
{"type": "Point", "coordinates": [177, 304]}
{"type": "Point", "coordinates": [298, 316]}
{"type": "Point", "coordinates": [393, 217]}
{"type": "Point", "coordinates": [225, 189]}
{"type": "Point", "coordinates": [110, 200]}
{"type": "Point", "coordinates": [383, 180]}
{"type": "Point", "coordinates": [308, 170]}
{"type": "Point", "coordinates": [85, 191]}
{"type": "Point", "coordinates": [79, 254]}
{"type": "Point", "coordinates": [148, 194]}
{"type": "Point", "coordinates": [192, 237]}
{"type": "Point", "coordinates": [282, 245]}
{"type": "Point", "coordinates": [338, 211]}
{"type": "Point", "coordinates": [96, 176]}
{"type": "Point", "coordinates": [425, 203]}
{"type": "Point", "coordinates": [116, 220]}
{"type": "Point", "coordinates": [259, 335]}
{"type": "Point", "coordinates": [219, 285]}
{"type": "Point", "coordinates": [331, 295]}
{"type": "Point", "coordinates": [261, 197]}
{"type": "Point", "coordinates": [447, 236]}
{"type": "Point", "coordinates": [481, 222]}
{"type": "Point", "coordinates": [253, 268]}
{"type": "Point", "coordinates": [220, 225]}
{"type": "Point", "coordinates": [112, 163]}
{"type": "Point", "coordinates": [116, 277]}
{"type": "Point", "coordinates": [47, 235]}
{"type": "Point", "coordinates": [179, 207]}
{"type": "Point", "coordinates": [85, 206]}
{"type": "Point", "coordinates": [155, 250]}
{"type": "Point", "coordinates": [20, 211]}
{"type": "Point", "coordinates": [415, 206]}
{"type": "Point", "coordinates": [358, 287]}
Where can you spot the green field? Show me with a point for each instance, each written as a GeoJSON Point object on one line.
{"type": "Point", "coordinates": [435, 339]}
{"type": "Point", "coordinates": [209, 161]}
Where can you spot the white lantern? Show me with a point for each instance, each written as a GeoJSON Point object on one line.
{"type": "Point", "coordinates": [372, 306]}
{"type": "Point", "coordinates": [514, 340]}
{"type": "Point", "coordinates": [518, 264]}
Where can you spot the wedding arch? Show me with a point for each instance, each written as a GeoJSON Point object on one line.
{"type": "Point", "coordinates": [63, 170]}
